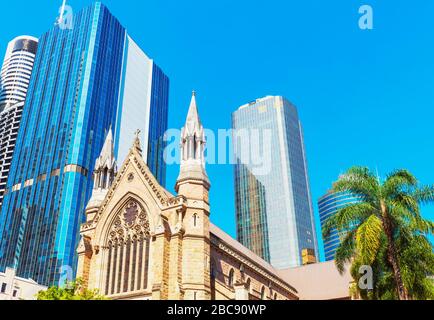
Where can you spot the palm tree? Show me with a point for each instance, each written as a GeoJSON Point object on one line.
{"type": "Point", "coordinates": [387, 213]}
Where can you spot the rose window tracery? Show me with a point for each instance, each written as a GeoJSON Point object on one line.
{"type": "Point", "coordinates": [132, 222]}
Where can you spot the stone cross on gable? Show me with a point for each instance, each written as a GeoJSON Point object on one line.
{"type": "Point", "coordinates": [137, 141]}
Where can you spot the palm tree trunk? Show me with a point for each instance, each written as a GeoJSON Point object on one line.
{"type": "Point", "coordinates": [392, 256]}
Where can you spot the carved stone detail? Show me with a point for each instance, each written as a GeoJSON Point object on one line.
{"type": "Point", "coordinates": [217, 243]}
{"type": "Point", "coordinates": [132, 222]}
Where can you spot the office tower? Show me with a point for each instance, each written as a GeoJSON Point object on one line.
{"type": "Point", "coordinates": [87, 80]}
{"type": "Point", "coordinates": [14, 81]}
{"type": "Point", "coordinates": [273, 203]}
{"type": "Point", "coordinates": [17, 70]}
{"type": "Point", "coordinates": [329, 205]}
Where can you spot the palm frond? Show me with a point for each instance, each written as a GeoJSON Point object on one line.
{"type": "Point", "coordinates": [405, 200]}
{"type": "Point", "coordinates": [368, 238]}
{"type": "Point", "coordinates": [346, 251]}
{"type": "Point", "coordinates": [404, 218]}
{"type": "Point", "coordinates": [360, 182]}
{"type": "Point", "coordinates": [348, 217]}
{"type": "Point", "coordinates": [398, 180]}
{"type": "Point", "coordinates": [425, 194]}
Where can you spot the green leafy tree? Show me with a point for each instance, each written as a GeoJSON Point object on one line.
{"type": "Point", "coordinates": [71, 291]}
{"type": "Point", "coordinates": [386, 231]}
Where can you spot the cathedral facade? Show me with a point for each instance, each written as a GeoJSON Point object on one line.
{"type": "Point", "coordinates": [141, 242]}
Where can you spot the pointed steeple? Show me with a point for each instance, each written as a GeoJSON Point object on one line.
{"type": "Point", "coordinates": [105, 164]}
{"type": "Point", "coordinates": [194, 220]}
{"type": "Point", "coordinates": [193, 114]}
{"type": "Point", "coordinates": [104, 172]}
{"type": "Point", "coordinates": [106, 157]}
{"type": "Point", "coordinates": [193, 125]}
{"type": "Point", "coordinates": [193, 146]}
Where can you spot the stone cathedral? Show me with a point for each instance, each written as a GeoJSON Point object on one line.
{"type": "Point", "coordinates": [141, 242]}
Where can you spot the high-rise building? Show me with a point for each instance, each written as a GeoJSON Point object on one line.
{"type": "Point", "coordinates": [17, 70]}
{"type": "Point", "coordinates": [273, 203]}
{"type": "Point", "coordinates": [14, 82]}
{"type": "Point", "coordinates": [87, 79]}
{"type": "Point", "coordinates": [328, 205]}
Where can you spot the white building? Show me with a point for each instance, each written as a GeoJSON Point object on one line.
{"type": "Point", "coordinates": [17, 70]}
{"type": "Point", "coordinates": [16, 288]}
{"type": "Point", "coordinates": [14, 81]}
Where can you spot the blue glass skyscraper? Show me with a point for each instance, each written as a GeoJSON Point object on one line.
{"type": "Point", "coordinates": [273, 203]}
{"type": "Point", "coordinates": [329, 205]}
{"type": "Point", "coordinates": [86, 80]}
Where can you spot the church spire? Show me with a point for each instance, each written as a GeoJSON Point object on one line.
{"type": "Point", "coordinates": [193, 146]}
{"type": "Point", "coordinates": [105, 164]}
{"type": "Point", "coordinates": [193, 137]}
{"type": "Point", "coordinates": [194, 221]}
{"type": "Point", "coordinates": [104, 172]}
{"type": "Point", "coordinates": [193, 114]}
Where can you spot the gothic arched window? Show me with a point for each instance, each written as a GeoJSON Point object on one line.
{"type": "Point", "coordinates": [263, 293]}
{"type": "Point", "coordinates": [195, 219]}
{"type": "Point", "coordinates": [231, 278]}
{"type": "Point", "coordinates": [248, 285]}
{"type": "Point", "coordinates": [127, 251]}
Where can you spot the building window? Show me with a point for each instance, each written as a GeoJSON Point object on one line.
{"type": "Point", "coordinates": [231, 278]}
{"type": "Point", "coordinates": [14, 294]}
{"type": "Point", "coordinates": [127, 251]}
{"type": "Point", "coordinates": [213, 270]}
{"type": "Point", "coordinates": [3, 288]}
{"type": "Point", "coordinates": [263, 293]}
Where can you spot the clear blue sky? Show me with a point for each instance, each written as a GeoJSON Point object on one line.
{"type": "Point", "coordinates": [364, 97]}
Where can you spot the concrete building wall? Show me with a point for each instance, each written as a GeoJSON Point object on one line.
{"type": "Point", "coordinates": [15, 288]}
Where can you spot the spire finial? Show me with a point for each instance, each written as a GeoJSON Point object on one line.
{"type": "Point", "coordinates": [194, 93]}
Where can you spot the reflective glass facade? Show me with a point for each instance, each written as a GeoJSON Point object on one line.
{"type": "Point", "coordinates": [273, 204]}
{"type": "Point", "coordinates": [252, 227]}
{"type": "Point", "coordinates": [329, 205]}
{"type": "Point", "coordinates": [143, 105]}
{"type": "Point", "coordinates": [78, 90]}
